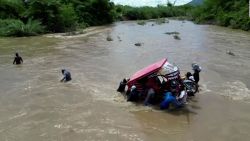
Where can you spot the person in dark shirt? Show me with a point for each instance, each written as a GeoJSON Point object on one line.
{"type": "Point", "coordinates": [18, 59]}
{"type": "Point", "coordinates": [66, 76]}
{"type": "Point", "coordinates": [196, 74]}
{"type": "Point", "coordinates": [133, 95]}
{"type": "Point", "coordinates": [122, 85]}
{"type": "Point", "coordinates": [189, 76]}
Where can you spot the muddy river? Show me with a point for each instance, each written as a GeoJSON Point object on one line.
{"type": "Point", "coordinates": [34, 105]}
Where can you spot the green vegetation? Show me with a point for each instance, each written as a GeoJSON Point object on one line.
{"type": "Point", "coordinates": [161, 21]}
{"type": "Point", "coordinates": [11, 27]}
{"type": "Point", "coordinates": [145, 13]}
{"type": "Point", "coordinates": [141, 22]}
{"type": "Point", "coordinates": [32, 17]}
{"type": "Point", "coordinates": [229, 13]}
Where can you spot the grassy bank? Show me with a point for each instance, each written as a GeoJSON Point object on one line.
{"type": "Point", "coordinates": [12, 27]}
{"type": "Point", "coordinates": [229, 13]}
{"type": "Point", "coordinates": [33, 17]}
{"type": "Point", "coordinates": [145, 13]}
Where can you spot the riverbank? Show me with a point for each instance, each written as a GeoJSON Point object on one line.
{"type": "Point", "coordinates": [21, 18]}
{"type": "Point", "coordinates": [231, 13]}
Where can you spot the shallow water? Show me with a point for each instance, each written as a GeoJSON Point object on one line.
{"type": "Point", "coordinates": [34, 105]}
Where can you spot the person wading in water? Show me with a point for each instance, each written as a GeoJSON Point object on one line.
{"type": "Point", "coordinates": [66, 76]}
{"type": "Point", "coordinates": [18, 59]}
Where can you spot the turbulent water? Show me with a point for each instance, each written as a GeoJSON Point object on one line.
{"type": "Point", "coordinates": [34, 105]}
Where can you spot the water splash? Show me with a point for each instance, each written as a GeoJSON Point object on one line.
{"type": "Point", "coordinates": [236, 90]}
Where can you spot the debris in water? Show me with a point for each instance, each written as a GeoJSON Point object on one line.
{"type": "Point", "coordinates": [109, 38]}
{"type": "Point", "coordinates": [138, 44]}
{"type": "Point", "coordinates": [119, 38]}
{"type": "Point", "coordinates": [235, 90]}
{"type": "Point", "coordinates": [176, 37]}
{"type": "Point", "coordinates": [161, 21]}
{"type": "Point", "coordinates": [171, 33]}
{"type": "Point", "coordinates": [141, 22]}
{"type": "Point", "coordinates": [230, 53]}
{"type": "Point", "coordinates": [74, 33]}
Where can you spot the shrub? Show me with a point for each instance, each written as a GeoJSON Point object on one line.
{"type": "Point", "coordinates": [48, 12]}
{"type": "Point", "coordinates": [144, 13]}
{"type": "Point", "coordinates": [33, 27]}
{"type": "Point", "coordinates": [68, 17]}
{"type": "Point", "coordinates": [54, 15]}
{"type": "Point", "coordinates": [232, 13]}
{"type": "Point", "coordinates": [160, 21]}
{"type": "Point", "coordinates": [11, 27]}
{"type": "Point", "coordinates": [141, 22]}
{"type": "Point", "coordinates": [11, 8]}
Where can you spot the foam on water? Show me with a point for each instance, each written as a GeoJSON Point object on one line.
{"type": "Point", "coordinates": [203, 88]}
{"type": "Point", "coordinates": [236, 90]}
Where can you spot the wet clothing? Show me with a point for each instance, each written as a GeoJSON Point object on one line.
{"type": "Point", "coordinates": [133, 95]}
{"type": "Point", "coordinates": [182, 98]}
{"type": "Point", "coordinates": [18, 60]}
{"type": "Point", "coordinates": [196, 76]}
{"type": "Point", "coordinates": [150, 96]}
{"type": "Point", "coordinates": [191, 78]}
{"type": "Point", "coordinates": [67, 76]}
{"type": "Point", "coordinates": [168, 99]}
{"type": "Point", "coordinates": [122, 86]}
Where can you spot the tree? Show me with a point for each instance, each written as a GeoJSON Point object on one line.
{"type": "Point", "coordinates": [11, 8]}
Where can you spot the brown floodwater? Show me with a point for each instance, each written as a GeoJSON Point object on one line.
{"type": "Point", "coordinates": [34, 105]}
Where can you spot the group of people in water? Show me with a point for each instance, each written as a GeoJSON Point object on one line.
{"type": "Point", "coordinates": [174, 91]}
{"type": "Point", "coordinates": [66, 74]}
{"type": "Point", "coordinates": [171, 92]}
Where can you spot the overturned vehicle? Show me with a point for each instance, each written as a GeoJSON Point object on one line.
{"type": "Point", "coordinates": [152, 83]}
